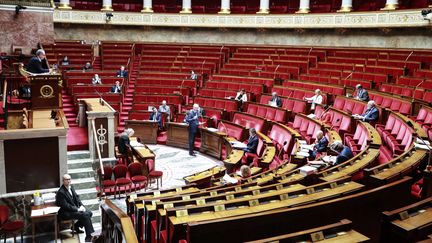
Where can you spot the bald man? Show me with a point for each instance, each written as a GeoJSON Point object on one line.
{"type": "Point", "coordinates": [37, 63]}
{"type": "Point", "coordinates": [320, 146]}
{"type": "Point", "coordinates": [371, 114]}
{"type": "Point", "coordinates": [71, 207]}
{"type": "Point", "coordinates": [192, 119]}
{"type": "Point", "coordinates": [275, 101]}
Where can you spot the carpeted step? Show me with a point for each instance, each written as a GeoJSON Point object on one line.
{"type": "Point", "coordinates": [127, 103]}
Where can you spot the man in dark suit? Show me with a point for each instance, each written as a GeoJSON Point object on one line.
{"type": "Point", "coordinates": [192, 119]}
{"type": "Point", "coordinates": [320, 145]}
{"type": "Point", "coordinates": [122, 73]}
{"type": "Point", "coordinates": [371, 114]}
{"type": "Point", "coordinates": [344, 152]}
{"type": "Point", "coordinates": [156, 116]}
{"type": "Point", "coordinates": [275, 100]}
{"type": "Point", "coordinates": [252, 144]}
{"type": "Point", "coordinates": [116, 88]}
{"type": "Point", "coordinates": [362, 93]}
{"type": "Point", "coordinates": [37, 63]}
{"type": "Point", "coordinates": [71, 207]}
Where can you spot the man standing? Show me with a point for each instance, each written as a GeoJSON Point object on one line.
{"type": "Point", "coordinates": [71, 207]}
{"type": "Point", "coordinates": [156, 117]}
{"type": "Point", "coordinates": [165, 109]}
{"type": "Point", "coordinates": [35, 64]}
{"type": "Point", "coordinates": [362, 93]}
{"type": "Point", "coordinates": [192, 120]}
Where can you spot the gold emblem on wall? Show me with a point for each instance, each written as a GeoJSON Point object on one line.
{"type": "Point", "coordinates": [46, 91]}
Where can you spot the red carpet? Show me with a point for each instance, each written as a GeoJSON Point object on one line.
{"type": "Point", "coordinates": [77, 139]}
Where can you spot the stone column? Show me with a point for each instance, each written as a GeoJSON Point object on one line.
{"type": "Point", "coordinates": [304, 6]}
{"type": "Point", "coordinates": [346, 6]}
{"type": "Point", "coordinates": [147, 6]}
{"type": "Point", "coordinates": [186, 7]}
{"type": "Point", "coordinates": [264, 7]}
{"type": "Point", "coordinates": [62, 146]}
{"type": "Point", "coordinates": [225, 7]}
{"type": "Point", "coordinates": [391, 5]}
{"type": "Point", "coordinates": [64, 4]}
{"type": "Point", "coordinates": [107, 5]}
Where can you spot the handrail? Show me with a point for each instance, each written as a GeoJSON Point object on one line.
{"type": "Point", "coordinates": [116, 225]}
{"type": "Point", "coordinates": [97, 149]}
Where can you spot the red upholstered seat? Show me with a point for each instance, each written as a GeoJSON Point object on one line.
{"type": "Point", "coordinates": [10, 227]}
{"type": "Point", "coordinates": [120, 172]}
{"type": "Point", "coordinates": [154, 174]}
{"type": "Point", "coordinates": [136, 174]}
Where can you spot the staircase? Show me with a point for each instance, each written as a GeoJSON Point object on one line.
{"type": "Point", "coordinates": [83, 178]}
{"type": "Point", "coordinates": [128, 97]}
{"type": "Point", "coordinates": [69, 109]}
{"type": "Point", "coordinates": [97, 65]}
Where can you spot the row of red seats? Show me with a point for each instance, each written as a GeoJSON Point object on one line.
{"type": "Point", "coordinates": [156, 98]}
{"type": "Point", "coordinates": [296, 93]}
{"type": "Point", "coordinates": [396, 104]}
{"type": "Point", "coordinates": [183, 75]}
{"type": "Point", "coordinates": [73, 81]}
{"type": "Point", "coordinates": [255, 89]}
{"type": "Point", "coordinates": [142, 107]}
{"type": "Point", "coordinates": [174, 69]}
{"type": "Point", "coordinates": [396, 134]}
{"type": "Point", "coordinates": [415, 82]}
{"type": "Point", "coordinates": [424, 118]}
{"type": "Point", "coordinates": [250, 121]}
{"type": "Point", "coordinates": [339, 120]}
{"type": "Point", "coordinates": [315, 78]}
{"type": "Point", "coordinates": [223, 104]}
{"type": "Point", "coordinates": [232, 130]}
{"type": "Point", "coordinates": [306, 126]}
{"type": "Point", "coordinates": [221, 93]}
{"type": "Point", "coordinates": [349, 105]}
{"type": "Point", "coordinates": [155, 81]}
{"type": "Point", "coordinates": [258, 73]}
{"type": "Point", "coordinates": [238, 79]}
{"type": "Point", "coordinates": [268, 112]}
{"type": "Point", "coordinates": [89, 88]}
{"type": "Point", "coordinates": [330, 89]}
{"type": "Point", "coordinates": [321, 54]}
{"type": "Point", "coordinates": [283, 140]}
{"type": "Point", "coordinates": [359, 141]}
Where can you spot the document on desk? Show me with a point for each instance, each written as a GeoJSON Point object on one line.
{"type": "Point", "coordinates": [328, 159]}
{"type": "Point", "coordinates": [136, 144]}
{"type": "Point", "coordinates": [37, 212]}
{"type": "Point", "coordinates": [238, 145]}
{"type": "Point", "coordinates": [50, 210]}
{"type": "Point", "coordinates": [211, 129]}
{"type": "Point", "coordinates": [229, 179]}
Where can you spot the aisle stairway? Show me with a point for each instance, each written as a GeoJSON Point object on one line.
{"type": "Point", "coordinates": [69, 109]}
{"type": "Point", "coordinates": [128, 97]}
{"type": "Point", "coordinates": [83, 179]}
{"type": "Point", "coordinates": [97, 63]}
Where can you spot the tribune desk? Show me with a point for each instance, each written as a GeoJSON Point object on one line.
{"type": "Point", "coordinates": [33, 156]}
{"type": "Point", "coordinates": [146, 131]}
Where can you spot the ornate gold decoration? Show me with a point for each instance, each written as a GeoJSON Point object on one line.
{"type": "Point", "coordinates": [390, 7]}
{"type": "Point", "coordinates": [263, 11]}
{"type": "Point", "coordinates": [345, 9]}
{"type": "Point", "coordinates": [186, 11]}
{"type": "Point", "coordinates": [107, 8]}
{"type": "Point", "coordinates": [64, 6]}
{"type": "Point", "coordinates": [303, 11]}
{"type": "Point", "coordinates": [46, 91]}
{"type": "Point", "coordinates": [147, 10]}
{"type": "Point", "coordinates": [224, 11]}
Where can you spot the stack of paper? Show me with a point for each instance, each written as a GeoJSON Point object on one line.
{"type": "Point", "coordinates": [211, 129]}
{"type": "Point", "coordinates": [238, 145]}
{"type": "Point", "coordinates": [136, 144]}
{"type": "Point", "coordinates": [328, 159]}
{"type": "Point", "coordinates": [307, 170]}
{"type": "Point", "coordinates": [229, 180]}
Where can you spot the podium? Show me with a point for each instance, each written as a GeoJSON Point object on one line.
{"type": "Point", "coordinates": [46, 91]}
{"type": "Point", "coordinates": [146, 131]}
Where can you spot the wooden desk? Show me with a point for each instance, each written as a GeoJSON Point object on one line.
{"type": "Point", "coordinates": [203, 176]}
{"type": "Point", "coordinates": [416, 221]}
{"type": "Point", "coordinates": [178, 135]}
{"type": "Point", "coordinates": [146, 131]}
{"type": "Point", "coordinates": [143, 153]}
{"type": "Point", "coordinates": [41, 218]}
{"type": "Point", "coordinates": [211, 142]}
{"type": "Point", "coordinates": [42, 119]}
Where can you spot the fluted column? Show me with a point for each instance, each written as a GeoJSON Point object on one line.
{"type": "Point", "coordinates": [304, 6]}
{"type": "Point", "coordinates": [147, 6]}
{"type": "Point", "coordinates": [186, 6]}
{"type": "Point", "coordinates": [107, 5]}
{"type": "Point", "coordinates": [264, 7]}
{"type": "Point", "coordinates": [391, 5]}
{"type": "Point", "coordinates": [346, 6]}
{"type": "Point", "coordinates": [64, 4]}
{"type": "Point", "coordinates": [225, 7]}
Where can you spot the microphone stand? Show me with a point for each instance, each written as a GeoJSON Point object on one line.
{"type": "Point", "coordinates": [274, 73]}
{"type": "Point", "coordinates": [406, 60]}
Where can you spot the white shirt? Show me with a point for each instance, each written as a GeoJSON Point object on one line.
{"type": "Point", "coordinates": [243, 98]}
{"type": "Point", "coordinates": [316, 99]}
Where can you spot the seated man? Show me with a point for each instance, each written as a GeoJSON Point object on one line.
{"type": "Point", "coordinates": [65, 61]}
{"type": "Point", "coordinates": [122, 73]}
{"type": "Point", "coordinates": [362, 93]}
{"type": "Point", "coordinates": [275, 101]}
{"type": "Point", "coordinates": [71, 207]}
{"type": "Point", "coordinates": [193, 75]}
{"type": "Point", "coordinates": [37, 63]}
{"type": "Point", "coordinates": [371, 114]}
{"type": "Point", "coordinates": [156, 116]}
{"type": "Point", "coordinates": [165, 109]}
{"type": "Point", "coordinates": [316, 99]}
{"type": "Point", "coordinates": [241, 97]}
{"type": "Point", "coordinates": [124, 141]}
{"type": "Point", "coordinates": [343, 152]}
{"type": "Point", "coordinates": [252, 142]}
{"type": "Point", "coordinates": [87, 67]}
{"type": "Point", "coordinates": [96, 79]}
{"type": "Point", "coordinates": [116, 88]}
{"type": "Point", "coordinates": [320, 145]}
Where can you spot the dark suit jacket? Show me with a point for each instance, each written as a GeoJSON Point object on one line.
{"type": "Point", "coordinates": [114, 89]}
{"type": "Point", "coordinates": [321, 145]}
{"type": "Point", "coordinates": [123, 142]}
{"type": "Point", "coordinates": [371, 115]}
{"type": "Point", "coordinates": [192, 120]}
{"type": "Point", "coordinates": [278, 101]}
{"type": "Point", "coordinates": [123, 75]}
{"type": "Point", "coordinates": [68, 203]}
{"type": "Point", "coordinates": [363, 95]}
{"type": "Point", "coordinates": [252, 145]}
{"type": "Point", "coordinates": [158, 118]}
{"type": "Point", "coordinates": [36, 66]}
{"type": "Point", "coordinates": [344, 155]}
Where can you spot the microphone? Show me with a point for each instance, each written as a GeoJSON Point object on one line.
{"type": "Point", "coordinates": [418, 85]}
{"type": "Point", "coordinates": [324, 112]}
{"type": "Point", "coordinates": [280, 151]}
{"type": "Point", "coordinates": [406, 60]}
{"type": "Point", "coordinates": [224, 127]}
{"type": "Point", "coordinates": [274, 73]}
{"type": "Point", "coordinates": [349, 76]}
{"type": "Point", "coordinates": [202, 67]}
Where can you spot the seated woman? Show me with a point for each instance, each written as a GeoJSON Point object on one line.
{"type": "Point", "coordinates": [316, 99]}
{"type": "Point", "coordinates": [96, 79]}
